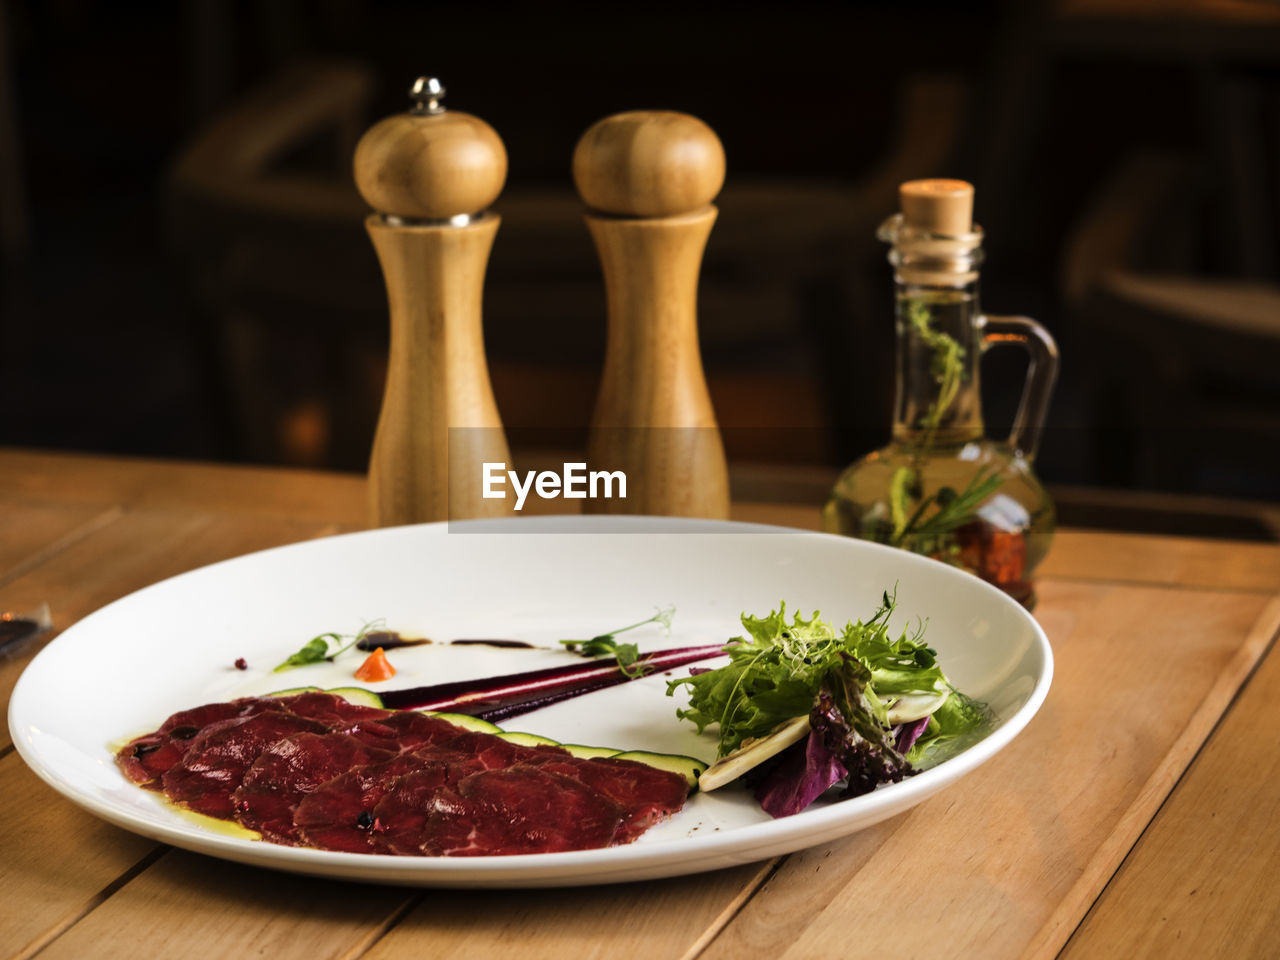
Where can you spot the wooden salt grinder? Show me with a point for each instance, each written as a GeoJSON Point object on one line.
{"type": "Point", "coordinates": [430, 175]}
{"type": "Point", "coordinates": [648, 177]}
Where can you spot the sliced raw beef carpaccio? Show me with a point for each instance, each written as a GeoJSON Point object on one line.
{"type": "Point", "coordinates": [197, 718]}
{"type": "Point", "coordinates": [217, 759]}
{"type": "Point", "coordinates": [287, 771]}
{"type": "Point", "coordinates": [404, 730]}
{"type": "Point", "coordinates": [338, 815]}
{"type": "Point", "coordinates": [646, 794]}
{"type": "Point", "coordinates": [517, 810]}
{"type": "Point", "coordinates": [330, 708]}
{"type": "Point", "coordinates": [314, 769]}
{"type": "Point", "coordinates": [493, 752]}
{"type": "Point", "coordinates": [400, 816]}
{"type": "Point", "coordinates": [145, 759]}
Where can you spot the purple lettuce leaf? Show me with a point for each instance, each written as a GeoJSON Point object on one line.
{"type": "Point", "coordinates": [909, 733]}
{"type": "Point", "coordinates": [843, 717]}
{"type": "Point", "coordinates": [804, 772]}
{"type": "Point", "coordinates": [845, 741]}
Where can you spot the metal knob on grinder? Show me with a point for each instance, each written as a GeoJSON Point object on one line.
{"type": "Point", "coordinates": [430, 164]}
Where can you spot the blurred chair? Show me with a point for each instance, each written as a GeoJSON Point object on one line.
{"type": "Point", "coordinates": [1182, 368]}
{"type": "Point", "coordinates": [1218, 44]}
{"type": "Point", "coordinates": [267, 229]}
{"type": "Point", "coordinates": [1169, 273]}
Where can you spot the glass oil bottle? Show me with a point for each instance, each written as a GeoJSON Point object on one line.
{"type": "Point", "coordinates": [941, 487]}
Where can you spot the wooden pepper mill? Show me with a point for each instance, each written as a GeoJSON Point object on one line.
{"type": "Point", "coordinates": [430, 175]}
{"type": "Point", "coordinates": [648, 177]}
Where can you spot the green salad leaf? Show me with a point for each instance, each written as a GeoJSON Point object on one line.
{"type": "Point", "coordinates": [777, 670]}
{"type": "Point", "coordinates": [952, 727]}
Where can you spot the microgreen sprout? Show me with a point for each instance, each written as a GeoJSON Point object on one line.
{"type": "Point", "coordinates": [606, 644]}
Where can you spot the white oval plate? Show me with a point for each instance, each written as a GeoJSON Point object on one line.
{"type": "Point", "coordinates": [122, 670]}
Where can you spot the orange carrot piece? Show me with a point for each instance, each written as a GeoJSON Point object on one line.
{"type": "Point", "coordinates": [376, 667]}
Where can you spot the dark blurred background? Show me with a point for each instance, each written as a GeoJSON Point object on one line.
{"type": "Point", "coordinates": [185, 271]}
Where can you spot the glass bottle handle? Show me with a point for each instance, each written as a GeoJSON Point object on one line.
{"type": "Point", "coordinates": [1042, 373]}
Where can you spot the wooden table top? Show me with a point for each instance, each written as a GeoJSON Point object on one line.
{"type": "Point", "coordinates": [1137, 815]}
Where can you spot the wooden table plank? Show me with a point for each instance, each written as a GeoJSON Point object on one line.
{"type": "Point", "coordinates": [1174, 561]}
{"type": "Point", "coordinates": [335, 498]}
{"type": "Point", "coordinates": [58, 860]}
{"type": "Point", "coordinates": [1008, 860]}
{"type": "Point", "coordinates": [777, 515]}
{"type": "Point", "coordinates": [187, 905]}
{"type": "Point", "coordinates": [640, 921]}
{"type": "Point", "coordinates": [1202, 880]}
{"type": "Point", "coordinates": [132, 551]}
{"type": "Point", "coordinates": [32, 532]}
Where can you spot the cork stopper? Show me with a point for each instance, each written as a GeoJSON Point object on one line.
{"type": "Point", "coordinates": [943, 207]}
{"type": "Point", "coordinates": [430, 163]}
{"type": "Point", "coordinates": [649, 163]}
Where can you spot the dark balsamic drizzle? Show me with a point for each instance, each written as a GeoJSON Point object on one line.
{"type": "Point", "coordinates": [387, 640]}
{"type": "Point", "coordinates": [505, 644]}
{"type": "Point", "coordinates": [390, 640]}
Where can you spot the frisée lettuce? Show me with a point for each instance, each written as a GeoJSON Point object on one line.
{"type": "Point", "coordinates": [879, 706]}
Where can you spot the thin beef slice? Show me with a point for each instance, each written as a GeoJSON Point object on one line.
{"type": "Point", "coordinates": [287, 771]}
{"type": "Point", "coordinates": [217, 760]}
